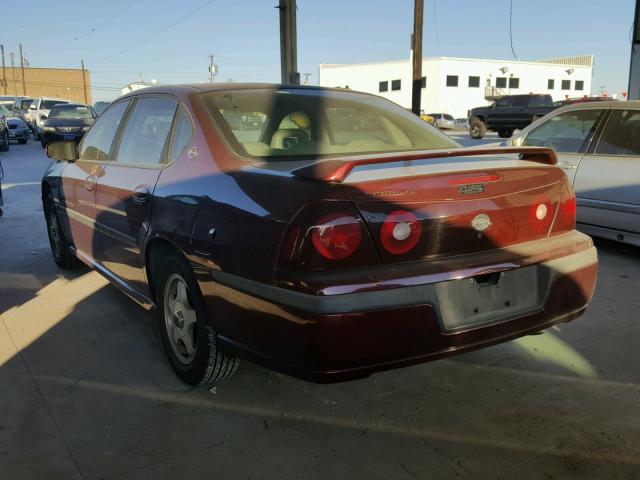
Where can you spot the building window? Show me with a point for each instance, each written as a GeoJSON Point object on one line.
{"type": "Point", "coordinates": [501, 82]}
{"type": "Point", "coordinates": [452, 80]}
{"type": "Point", "coordinates": [514, 82]}
{"type": "Point", "coordinates": [550, 84]}
{"type": "Point", "coordinates": [566, 85]}
{"type": "Point", "coordinates": [579, 85]}
{"type": "Point", "coordinates": [383, 87]}
{"type": "Point", "coordinates": [395, 84]}
{"type": "Point", "coordinates": [424, 82]}
{"type": "Point", "coordinates": [474, 82]}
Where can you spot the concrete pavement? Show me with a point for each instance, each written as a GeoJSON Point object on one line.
{"type": "Point", "coordinates": [85, 391]}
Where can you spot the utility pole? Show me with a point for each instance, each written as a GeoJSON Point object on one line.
{"type": "Point", "coordinates": [24, 87]}
{"type": "Point", "coordinates": [633, 92]}
{"type": "Point", "coordinates": [288, 43]}
{"type": "Point", "coordinates": [13, 72]}
{"type": "Point", "coordinates": [416, 48]}
{"type": "Point", "coordinates": [213, 69]}
{"type": "Point", "coordinates": [4, 71]}
{"type": "Point", "coordinates": [84, 83]}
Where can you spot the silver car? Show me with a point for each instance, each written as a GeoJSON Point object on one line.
{"type": "Point", "coordinates": [598, 146]}
{"type": "Point", "coordinates": [443, 120]}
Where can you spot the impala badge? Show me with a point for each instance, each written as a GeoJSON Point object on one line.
{"type": "Point", "coordinates": [471, 188]}
{"type": "Point", "coordinates": [481, 222]}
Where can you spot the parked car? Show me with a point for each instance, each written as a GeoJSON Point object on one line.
{"type": "Point", "coordinates": [598, 146]}
{"type": "Point", "coordinates": [7, 100]}
{"type": "Point", "coordinates": [39, 110]}
{"type": "Point", "coordinates": [21, 108]}
{"type": "Point", "coordinates": [16, 128]}
{"type": "Point", "coordinates": [508, 113]}
{"type": "Point", "coordinates": [461, 124]}
{"type": "Point", "coordinates": [67, 121]}
{"type": "Point", "coordinates": [443, 120]}
{"type": "Point", "coordinates": [4, 132]}
{"type": "Point", "coordinates": [100, 106]}
{"type": "Point", "coordinates": [571, 101]}
{"type": "Point", "coordinates": [330, 242]}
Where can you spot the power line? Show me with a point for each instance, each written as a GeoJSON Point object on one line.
{"type": "Point", "coordinates": [510, 30]}
{"type": "Point", "coordinates": [99, 26]}
{"type": "Point", "coordinates": [158, 33]}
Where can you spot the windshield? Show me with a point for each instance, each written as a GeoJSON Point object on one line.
{"type": "Point", "coordinates": [48, 104]}
{"type": "Point", "coordinates": [23, 104]}
{"type": "Point", "coordinates": [291, 124]}
{"type": "Point", "coordinates": [71, 111]}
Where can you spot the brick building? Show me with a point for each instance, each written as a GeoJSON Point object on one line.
{"type": "Point", "coordinates": [63, 83]}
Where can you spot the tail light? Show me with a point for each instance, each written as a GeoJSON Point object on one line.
{"type": "Point", "coordinates": [566, 218]}
{"type": "Point", "coordinates": [541, 215]}
{"type": "Point", "coordinates": [327, 235]}
{"type": "Point", "coordinates": [400, 232]}
{"type": "Point", "coordinates": [337, 236]}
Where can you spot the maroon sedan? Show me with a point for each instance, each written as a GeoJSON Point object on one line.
{"type": "Point", "coordinates": [322, 233]}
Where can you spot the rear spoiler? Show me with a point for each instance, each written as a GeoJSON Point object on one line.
{"type": "Point", "coordinates": [336, 170]}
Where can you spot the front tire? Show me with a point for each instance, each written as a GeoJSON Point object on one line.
{"type": "Point", "coordinates": [188, 337]}
{"type": "Point", "coordinates": [60, 247]}
{"type": "Point", "coordinates": [477, 128]}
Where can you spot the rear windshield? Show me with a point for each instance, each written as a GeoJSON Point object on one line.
{"type": "Point", "coordinates": [47, 104]}
{"type": "Point", "coordinates": [290, 124]}
{"type": "Point", "coordinates": [71, 111]}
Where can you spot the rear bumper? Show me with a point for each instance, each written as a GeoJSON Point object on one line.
{"type": "Point", "coordinates": [346, 336]}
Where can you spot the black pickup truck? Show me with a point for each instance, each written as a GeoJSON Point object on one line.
{"type": "Point", "coordinates": [508, 113]}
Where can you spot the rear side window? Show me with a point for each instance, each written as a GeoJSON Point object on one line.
{"type": "Point", "coordinates": [147, 130]}
{"type": "Point", "coordinates": [621, 136]}
{"type": "Point", "coordinates": [182, 133]}
{"type": "Point", "coordinates": [520, 101]}
{"type": "Point", "coordinates": [540, 101]}
{"type": "Point", "coordinates": [566, 133]}
{"type": "Point", "coordinates": [96, 144]}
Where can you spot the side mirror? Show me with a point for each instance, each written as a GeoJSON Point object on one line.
{"type": "Point", "coordinates": [43, 117]}
{"type": "Point", "coordinates": [67, 151]}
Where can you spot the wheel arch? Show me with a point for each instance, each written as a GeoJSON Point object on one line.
{"type": "Point", "coordinates": [155, 245]}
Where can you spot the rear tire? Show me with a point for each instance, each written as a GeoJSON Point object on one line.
{"type": "Point", "coordinates": [477, 128]}
{"type": "Point", "coordinates": [505, 133]}
{"type": "Point", "coordinates": [188, 337]}
{"type": "Point", "coordinates": [4, 147]}
{"type": "Point", "coordinates": [60, 247]}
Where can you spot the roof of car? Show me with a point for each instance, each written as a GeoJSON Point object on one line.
{"type": "Point", "coordinates": [632, 104]}
{"type": "Point", "coordinates": [221, 87]}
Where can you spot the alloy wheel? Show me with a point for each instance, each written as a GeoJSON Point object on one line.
{"type": "Point", "coordinates": [180, 319]}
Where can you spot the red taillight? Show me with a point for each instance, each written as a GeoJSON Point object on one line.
{"type": "Point", "coordinates": [566, 215]}
{"type": "Point", "coordinates": [541, 215]}
{"type": "Point", "coordinates": [336, 236]}
{"type": "Point", "coordinates": [400, 232]}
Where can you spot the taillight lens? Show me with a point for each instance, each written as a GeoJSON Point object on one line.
{"type": "Point", "coordinates": [566, 220]}
{"type": "Point", "coordinates": [400, 232]}
{"type": "Point", "coordinates": [336, 236]}
{"type": "Point", "coordinates": [541, 215]}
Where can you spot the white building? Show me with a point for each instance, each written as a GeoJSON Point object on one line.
{"type": "Point", "coordinates": [455, 85]}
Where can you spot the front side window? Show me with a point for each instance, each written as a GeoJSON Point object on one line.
{"type": "Point", "coordinates": [304, 124]}
{"type": "Point", "coordinates": [504, 102]}
{"type": "Point", "coordinates": [474, 82]}
{"type": "Point", "coordinates": [579, 85]}
{"type": "Point", "coordinates": [514, 82]}
{"type": "Point", "coordinates": [621, 136]}
{"type": "Point", "coordinates": [565, 85]}
{"type": "Point", "coordinates": [520, 101]}
{"type": "Point", "coordinates": [97, 143]}
{"type": "Point", "coordinates": [565, 133]}
{"type": "Point", "coordinates": [501, 82]}
{"type": "Point", "coordinates": [452, 80]}
{"type": "Point", "coordinates": [395, 84]}
{"type": "Point", "coordinates": [383, 86]}
{"type": "Point", "coordinates": [146, 132]}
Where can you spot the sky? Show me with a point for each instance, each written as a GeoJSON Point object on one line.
{"type": "Point", "coordinates": [120, 40]}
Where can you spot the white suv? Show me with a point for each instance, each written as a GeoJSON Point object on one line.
{"type": "Point", "coordinates": [40, 108]}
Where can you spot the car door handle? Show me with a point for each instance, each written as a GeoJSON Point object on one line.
{"type": "Point", "coordinates": [566, 166]}
{"type": "Point", "coordinates": [141, 194]}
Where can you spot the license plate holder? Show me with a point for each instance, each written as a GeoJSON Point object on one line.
{"type": "Point", "coordinates": [491, 298]}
